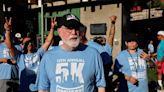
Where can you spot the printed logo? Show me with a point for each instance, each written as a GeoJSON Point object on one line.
{"type": "Point", "coordinates": [138, 67]}
{"type": "Point", "coordinates": [31, 62]}
{"type": "Point", "coordinates": [70, 70]}
{"type": "Point", "coordinates": [75, 89]}
{"type": "Point", "coordinates": [6, 53]}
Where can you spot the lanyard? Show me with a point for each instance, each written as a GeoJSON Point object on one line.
{"type": "Point", "coordinates": [134, 61]}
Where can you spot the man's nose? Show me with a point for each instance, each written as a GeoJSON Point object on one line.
{"type": "Point", "coordinates": [73, 31]}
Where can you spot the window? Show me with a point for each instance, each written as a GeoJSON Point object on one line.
{"type": "Point", "coordinates": [98, 29]}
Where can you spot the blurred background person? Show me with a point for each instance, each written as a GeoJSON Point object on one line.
{"type": "Point", "coordinates": [104, 47]}
{"type": "Point", "coordinates": [8, 71]}
{"type": "Point", "coordinates": [150, 48]}
{"type": "Point", "coordinates": [18, 42]}
{"type": "Point", "coordinates": [131, 67]}
{"type": "Point", "coordinates": [30, 60]}
{"type": "Point", "coordinates": [160, 57]}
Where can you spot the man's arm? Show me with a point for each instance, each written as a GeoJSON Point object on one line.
{"type": "Point", "coordinates": [162, 60]}
{"type": "Point", "coordinates": [112, 30]}
{"type": "Point", "coordinates": [8, 41]}
{"type": "Point", "coordinates": [42, 91]}
{"type": "Point", "coordinates": [3, 60]}
{"type": "Point", "coordinates": [101, 89]}
{"type": "Point", "coordinates": [145, 56]}
{"type": "Point", "coordinates": [131, 79]}
{"type": "Point", "coordinates": [120, 74]}
{"type": "Point", "coordinates": [49, 38]}
{"type": "Point", "coordinates": [9, 61]}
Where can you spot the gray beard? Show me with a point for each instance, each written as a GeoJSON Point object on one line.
{"type": "Point", "coordinates": [72, 44]}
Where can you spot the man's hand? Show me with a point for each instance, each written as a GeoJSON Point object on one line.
{"type": "Point", "coordinates": [8, 25]}
{"type": "Point", "coordinates": [144, 56]}
{"type": "Point", "coordinates": [13, 61]}
{"type": "Point", "coordinates": [53, 23]}
{"type": "Point", "coordinates": [113, 19]}
{"type": "Point", "coordinates": [133, 80]}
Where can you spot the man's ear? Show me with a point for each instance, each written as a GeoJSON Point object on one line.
{"type": "Point", "coordinates": [58, 30]}
{"type": "Point", "coordinates": [126, 43]}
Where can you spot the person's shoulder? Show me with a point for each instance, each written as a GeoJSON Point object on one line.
{"type": "Point", "coordinates": [3, 44]}
{"type": "Point", "coordinates": [123, 52]}
{"type": "Point", "coordinates": [90, 43]}
{"type": "Point", "coordinates": [53, 50]}
{"type": "Point", "coordinates": [90, 47]}
{"type": "Point", "coordinates": [87, 48]}
{"type": "Point", "coordinates": [162, 41]}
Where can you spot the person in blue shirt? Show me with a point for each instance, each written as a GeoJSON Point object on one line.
{"type": "Point", "coordinates": [29, 61]}
{"type": "Point", "coordinates": [18, 40]}
{"type": "Point", "coordinates": [104, 47]}
{"type": "Point", "coordinates": [151, 47]}
{"type": "Point", "coordinates": [71, 67]}
{"type": "Point", "coordinates": [160, 57]}
{"type": "Point", "coordinates": [7, 60]}
{"type": "Point", "coordinates": [131, 68]}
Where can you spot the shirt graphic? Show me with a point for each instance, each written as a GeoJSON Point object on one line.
{"type": "Point", "coordinates": [69, 70]}
{"type": "Point", "coordinates": [138, 67]}
{"type": "Point", "coordinates": [5, 53]}
{"type": "Point", "coordinates": [31, 61]}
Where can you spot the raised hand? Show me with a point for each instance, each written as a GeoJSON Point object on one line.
{"type": "Point", "coordinates": [53, 22]}
{"type": "Point", "coordinates": [113, 18]}
{"type": "Point", "coordinates": [144, 56]}
{"type": "Point", "coordinates": [8, 25]}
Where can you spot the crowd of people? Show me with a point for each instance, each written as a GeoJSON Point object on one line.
{"type": "Point", "coordinates": [77, 64]}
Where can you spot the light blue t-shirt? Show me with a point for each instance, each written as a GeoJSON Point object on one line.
{"type": "Point", "coordinates": [151, 48]}
{"type": "Point", "coordinates": [5, 69]}
{"type": "Point", "coordinates": [160, 50]}
{"type": "Point", "coordinates": [19, 48]}
{"type": "Point", "coordinates": [77, 71]}
{"type": "Point", "coordinates": [28, 68]}
{"type": "Point", "coordinates": [133, 65]}
{"type": "Point", "coordinates": [105, 51]}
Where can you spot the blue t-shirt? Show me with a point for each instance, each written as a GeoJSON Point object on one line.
{"type": "Point", "coordinates": [19, 48]}
{"type": "Point", "coordinates": [5, 69]}
{"type": "Point", "coordinates": [160, 50]}
{"type": "Point", "coordinates": [105, 51]}
{"type": "Point", "coordinates": [28, 68]}
{"type": "Point", "coordinates": [133, 65]}
{"type": "Point", "coordinates": [77, 71]}
{"type": "Point", "coordinates": [151, 48]}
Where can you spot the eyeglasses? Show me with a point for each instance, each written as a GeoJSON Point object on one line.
{"type": "Point", "coordinates": [69, 29]}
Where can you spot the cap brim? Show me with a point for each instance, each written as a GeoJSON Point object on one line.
{"type": "Point", "coordinates": [73, 24]}
{"type": "Point", "coordinates": [131, 40]}
{"type": "Point", "coordinates": [160, 34]}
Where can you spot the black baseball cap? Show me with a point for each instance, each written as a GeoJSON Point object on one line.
{"type": "Point", "coordinates": [70, 21]}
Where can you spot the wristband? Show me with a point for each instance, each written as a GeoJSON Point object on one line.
{"type": "Point", "coordinates": [113, 22]}
{"type": "Point", "coordinates": [9, 61]}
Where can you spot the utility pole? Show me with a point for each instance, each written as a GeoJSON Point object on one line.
{"type": "Point", "coordinates": [42, 18]}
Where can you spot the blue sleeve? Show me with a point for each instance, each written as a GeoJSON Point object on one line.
{"type": "Point", "coordinates": [100, 79]}
{"type": "Point", "coordinates": [18, 56]}
{"type": "Point", "coordinates": [43, 83]}
{"type": "Point", "coordinates": [108, 48]}
{"type": "Point", "coordinates": [121, 65]}
{"type": "Point", "coordinates": [41, 51]}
